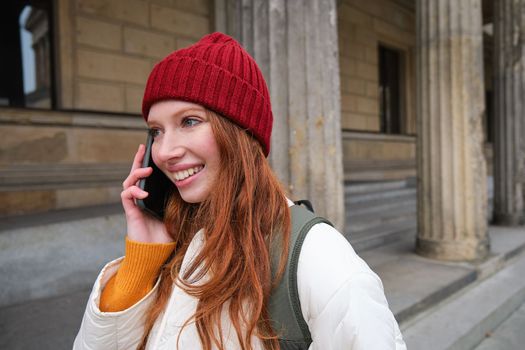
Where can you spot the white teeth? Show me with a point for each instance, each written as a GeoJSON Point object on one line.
{"type": "Point", "coordinates": [183, 174]}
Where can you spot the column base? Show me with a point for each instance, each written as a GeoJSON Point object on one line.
{"type": "Point", "coordinates": [515, 219]}
{"type": "Point", "coordinates": [466, 250]}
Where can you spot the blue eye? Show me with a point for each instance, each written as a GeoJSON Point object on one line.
{"type": "Point", "coordinates": [189, 122]}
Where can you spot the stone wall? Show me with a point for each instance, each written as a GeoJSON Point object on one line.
{"type": "Point", "coordinates": [107, 48]}
{"type": "Point", "coordinates": [56, 160]}
{"type": "Point", "coordinates": [105, 51]}
{"type": "Point", "coordinates": [363, 26]}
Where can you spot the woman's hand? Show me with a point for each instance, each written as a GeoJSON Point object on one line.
{"type": "Point", "coordinates": [142, 227]}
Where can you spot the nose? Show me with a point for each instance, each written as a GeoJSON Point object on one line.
{"type": "Point", "coordinates": [169, 147]}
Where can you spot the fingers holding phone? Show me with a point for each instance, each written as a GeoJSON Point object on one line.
{"type": "Point", "coordinates": [131, 192]}
{"type": "Point", "coordinates": [141, 226]}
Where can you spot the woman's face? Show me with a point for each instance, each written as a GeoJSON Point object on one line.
{"type": "Point", "coordinates": [184, 147]}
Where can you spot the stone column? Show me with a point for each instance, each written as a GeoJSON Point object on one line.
{"type": "Point", "coordinates": [295, 44]}
{"type": "Point", "coordinates": [509, 98]}
{"type": "Point", "coordinates": [452, 177]}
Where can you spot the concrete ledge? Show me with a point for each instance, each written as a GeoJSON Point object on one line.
{"type": "Point", "coordinates": [509, 335]}
{"type": "Point", "coordinates": [436, 296]}
{"type": "Point", "coordinates": [507, 241]}
{"type": "Point", "coordinates": [9, 223]}
{"type": "Point", "coordinates": [374, 136]}
{"type": "Point", "coordinates": [28, 116]}
{"type": "Point", "coordinates": [412, 283]}
{"type": "Point", "coordinates": [24, 177]}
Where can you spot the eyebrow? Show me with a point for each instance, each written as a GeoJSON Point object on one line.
{"type": "Point", "coordinates": [190, 109]}
{"type": "Point", "coordinates": [182, 111]}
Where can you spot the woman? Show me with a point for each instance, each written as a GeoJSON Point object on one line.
{"type": "Point", "coordinates": [203, 277]}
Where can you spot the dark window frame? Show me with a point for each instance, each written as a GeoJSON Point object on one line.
{"type": "Point", "coordinates": [392, 89]}
{"type": "Point", "coordinates": [11, 72]}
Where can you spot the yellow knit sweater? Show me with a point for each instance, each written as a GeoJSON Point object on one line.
{"type": "Point", "coordinates": [136, 275]}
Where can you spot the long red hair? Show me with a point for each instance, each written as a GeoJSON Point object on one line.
{"type": "Point", "coordinates": [246, 211]}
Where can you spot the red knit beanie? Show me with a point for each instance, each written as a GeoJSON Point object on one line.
{"type": "Point", "coordinates": [220, 75]}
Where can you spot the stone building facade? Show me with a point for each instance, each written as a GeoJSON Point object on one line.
{"type": "Point", "coordinates": [362, 91]}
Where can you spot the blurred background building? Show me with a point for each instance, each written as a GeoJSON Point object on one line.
{"type": "Point", "coordinates": [402, 120]}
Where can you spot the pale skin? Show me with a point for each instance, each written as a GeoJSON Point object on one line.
{"type": "Point", "coordinates": [141, 226]}
{"type": "Point", "coordinates": [185, 150]}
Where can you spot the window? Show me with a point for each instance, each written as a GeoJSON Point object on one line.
{"type": "Point", "coordinates": [390, 90]}
{"type": "Point", "coordinates": [26, 60]}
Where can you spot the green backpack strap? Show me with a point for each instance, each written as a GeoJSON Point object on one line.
{"type": "Point", "coordinates": [284, 306]}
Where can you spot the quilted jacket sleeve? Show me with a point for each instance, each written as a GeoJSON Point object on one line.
{"type": "Point", "coordinates": [342, 299]}
{"type": "Point", "coordinates": [111, 330]}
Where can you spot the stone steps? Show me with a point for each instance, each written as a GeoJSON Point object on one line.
{"type": "Point", "coordinates": [362, 222]}
{"type": "Point", "coordinates": [380, 236]}
{"type": "Point", "coordinates": [380, 206]}
{"type": "Point", "coordinates": [509, 335]}
{"type": "Point", "coordinates": [463, 318]}
{"type": "Point", "coordinates": [365, 187]}
{"type": "Point", "coordinates": [378, 213]}
{"type": "Point", "coordinates": [379, 195]}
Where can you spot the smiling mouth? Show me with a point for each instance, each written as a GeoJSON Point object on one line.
{"type": "Point", "coordinates": [184, 174]}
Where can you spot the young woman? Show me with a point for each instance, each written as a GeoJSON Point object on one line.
{"type": "Point", "coordinates": [202, 278]}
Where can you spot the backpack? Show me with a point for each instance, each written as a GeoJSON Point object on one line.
{"type": "Point", "coordinates": [284, 305]}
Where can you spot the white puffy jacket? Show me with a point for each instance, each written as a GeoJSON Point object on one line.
{"type": "Point", "coordinates": [342, 301]}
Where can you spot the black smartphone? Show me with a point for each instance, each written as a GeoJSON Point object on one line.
{"type": "Point", "coordinates": [157, 185]}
